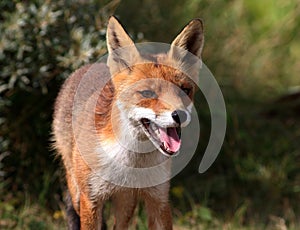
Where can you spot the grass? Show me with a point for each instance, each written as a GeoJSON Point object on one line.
{"type": "Point", "coordinates": [30, 216]}
{"type": "Point", "coordinates": [254, 184]}
{"type": "Point", "coordinates": [33, 217]}
{"type": "Point", "coordinates": [252, 47]}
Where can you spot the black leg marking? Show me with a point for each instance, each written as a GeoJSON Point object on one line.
{"type": "Point", "coordinates": [103, 226]}
{"type": "Point", "coordinates": [72, 217]}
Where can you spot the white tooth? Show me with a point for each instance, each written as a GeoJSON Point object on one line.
{"type": "Point", "coordinates": [154, 126]}
{"type": "Point", "coordinates": [166, 147]}
{"type": "Point", "coordinates": [157, 132]}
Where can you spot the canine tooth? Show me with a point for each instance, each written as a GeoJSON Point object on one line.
{"type": "Point", "coordinates": [153, 126]}
{"type": "Point", "coordinates": [157, 132]}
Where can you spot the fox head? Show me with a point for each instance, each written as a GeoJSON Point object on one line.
{"type": "Point", "coordinates": [154, 93]}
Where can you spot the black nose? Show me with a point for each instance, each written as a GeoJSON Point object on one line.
{"type": "Point", "coordinates": [179, 116]}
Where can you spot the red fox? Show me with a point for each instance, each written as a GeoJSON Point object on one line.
{"type": "Point", "coordinates": [100, 132]}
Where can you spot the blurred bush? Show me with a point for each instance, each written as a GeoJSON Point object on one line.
{"type": "Point", "coordinates": [41, 43]}
{"type": "Point", "coordinates": [251, 44]}
{"type": "Point", "coordinates": [253, 49]}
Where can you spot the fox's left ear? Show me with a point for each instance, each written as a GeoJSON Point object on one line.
{"type": "Point", "coordinates": [191, 38]}
{"type": "Point", "coordinates": [122, 52]}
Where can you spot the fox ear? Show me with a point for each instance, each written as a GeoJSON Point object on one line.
{"type": "Point", "coordinates": [191, 38]}
{"type": "Point", "coordinates": [121, 49]}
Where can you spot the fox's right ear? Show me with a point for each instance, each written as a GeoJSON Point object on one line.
{"type": "Point", "coordinates": [191, 38]}
{"type": "Point", "coordinates": [186, 48]}
{"type": "Point", "coordinates": [122, 53]}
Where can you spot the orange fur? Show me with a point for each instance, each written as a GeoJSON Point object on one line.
{"type": "Point", "coordinates": [77, 137]}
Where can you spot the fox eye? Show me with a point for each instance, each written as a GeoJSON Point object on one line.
{"type": "Point", "coordinates": [185, 91]}
{"type": "Point", "coordinates": [148, 94]}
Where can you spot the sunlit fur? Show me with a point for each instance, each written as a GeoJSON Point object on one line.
{"type": "Point", "coordinates": [111, 130]}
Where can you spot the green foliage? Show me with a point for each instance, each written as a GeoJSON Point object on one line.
{"type": "Point", "coordinates": [253, 49]}
{"type": "Point", "coordinates": [41, 43]}
{"type": "Point", "coordinates": [28, 217]}
{"type": "Point", "coordinates": [250, 44]}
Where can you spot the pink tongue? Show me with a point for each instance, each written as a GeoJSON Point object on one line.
{"type": "Point", "coordinates": [170, 139]}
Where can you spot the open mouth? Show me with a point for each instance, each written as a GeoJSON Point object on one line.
{"type": "Point", "coordinates": [166, 139]}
